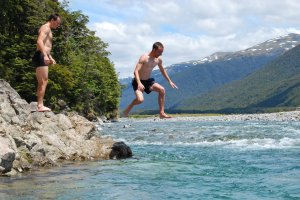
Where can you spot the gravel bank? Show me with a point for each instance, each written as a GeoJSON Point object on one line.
{"type": "Point", "coordinates": [279, 116]}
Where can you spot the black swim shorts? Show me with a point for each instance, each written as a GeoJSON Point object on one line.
{"type": "Point", "coordinates": [147, 84]}
{"type": "Point", "coordinates": [38, 59]}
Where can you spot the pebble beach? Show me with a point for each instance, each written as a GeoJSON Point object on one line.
{"type": "Point", "coordinates": [278, 116]}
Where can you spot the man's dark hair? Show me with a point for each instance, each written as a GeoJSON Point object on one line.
{"type": "Point", "coordinates": [54, 17]}
{"type": "Point", "coordinates": [157, 44]}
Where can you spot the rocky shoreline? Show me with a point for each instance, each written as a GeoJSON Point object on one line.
{"type": "Point", "coordinates": [30, 139]}
{"type": "Point", "coordinates": [278, 116]}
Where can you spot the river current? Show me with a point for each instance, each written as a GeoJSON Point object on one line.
{"type": "Point", "coordinates": [178, 159]}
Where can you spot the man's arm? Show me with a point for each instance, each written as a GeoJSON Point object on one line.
{"type": "Point", "coordinates": [52, 61]}
{"type": "Point", "coordinates": [44, 31]}
{"type": "Point", "coordinates": [165, 74]}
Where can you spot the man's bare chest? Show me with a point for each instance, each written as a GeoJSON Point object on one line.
{"type": "Point", "coordinates": [151, 62]}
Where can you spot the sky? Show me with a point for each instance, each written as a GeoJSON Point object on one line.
{"type": "Point", "coordinates": [189, 29]}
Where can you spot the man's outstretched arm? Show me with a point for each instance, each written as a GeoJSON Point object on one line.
{"type": "Point", "coordinates": [165, 74]}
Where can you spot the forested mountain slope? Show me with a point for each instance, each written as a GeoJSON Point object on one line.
{"type": "Point", "coordinates": [274, 87]}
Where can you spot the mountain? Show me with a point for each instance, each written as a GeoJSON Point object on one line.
{"type": "Point", "coordinates": [125, 81]}
{"type": "Point", "coordinates": [274, 87]}
{"type": "Point", "coordinates": [197, 77]}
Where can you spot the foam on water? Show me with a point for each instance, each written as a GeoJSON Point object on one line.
{"type": "Point", "coordinates": [243, 144]}
{"type": "Point", "coordinates": [239, 135]}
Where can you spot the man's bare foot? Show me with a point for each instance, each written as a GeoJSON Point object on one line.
{"type": "Point", "coordinates": [43, 109]}
{"type": "Point", "coordinates": [164, 116]}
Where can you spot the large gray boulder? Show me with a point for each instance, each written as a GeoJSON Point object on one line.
{"type": "Point", "coordinates": [30, 139]}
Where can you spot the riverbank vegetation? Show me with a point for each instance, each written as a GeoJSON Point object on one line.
{"type": "Point", "coordinates": [84, 77]}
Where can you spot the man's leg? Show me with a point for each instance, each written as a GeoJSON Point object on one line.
{"type": "Point", "coordinates": [161, 99]}
{"type": "Point", "coordinates": [42, 78]}
{"type": "Point", "coordinates": [139, 99]}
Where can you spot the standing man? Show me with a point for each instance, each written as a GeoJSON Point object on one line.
{"type": "Point", "coordinates": [42, 58]}
{"type": "Point", "coordinates": [142, 81]}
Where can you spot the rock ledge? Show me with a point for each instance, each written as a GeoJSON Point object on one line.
{"type": "Point", "coordinates": [30, 139]}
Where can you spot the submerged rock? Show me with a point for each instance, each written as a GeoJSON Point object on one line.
{"type": "Point", "coordinates": [120, 151]}
{"type": "Point", "coordinates": [30, 139]}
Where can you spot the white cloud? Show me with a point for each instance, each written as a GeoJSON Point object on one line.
{"type": "Point", "coordinates": [189, 29]}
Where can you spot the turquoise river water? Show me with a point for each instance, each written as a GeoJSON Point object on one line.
{"type": "Point", "coordinates": [178, 159]}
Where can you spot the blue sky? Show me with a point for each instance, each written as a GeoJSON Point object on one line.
{"type": "Point", "coordinates": [189, 29]}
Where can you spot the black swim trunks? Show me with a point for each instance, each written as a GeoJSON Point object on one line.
{"type": "Point", "coordinates": [147, 84]}
{"type": "Point", "coordinates": [38, 59]}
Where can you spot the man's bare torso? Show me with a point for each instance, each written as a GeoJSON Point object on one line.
{"type": "Point", "coordinates": [148, 63]}
{"type": "Point", "coordinates": [47, 40]}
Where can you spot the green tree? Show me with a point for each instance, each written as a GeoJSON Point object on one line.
{"type": "Point", "coordinates": [85, 78]}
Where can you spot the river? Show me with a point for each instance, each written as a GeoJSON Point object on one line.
{"type": "Point", "coordinates": [178, 159]}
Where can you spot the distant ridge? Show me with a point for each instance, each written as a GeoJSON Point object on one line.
{"type": "Point", "coordinates": [274, 87]}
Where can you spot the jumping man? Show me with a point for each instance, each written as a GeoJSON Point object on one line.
{"type": "Point", "coordinates": [142, 81]}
